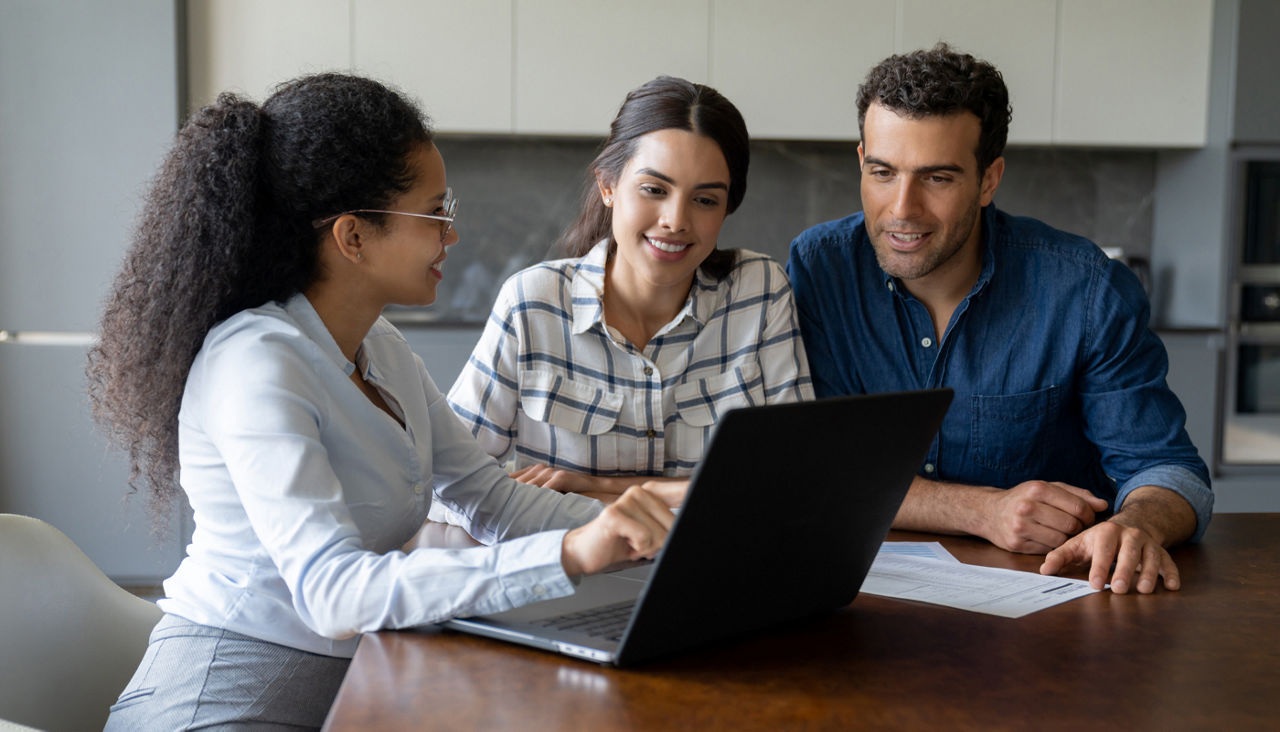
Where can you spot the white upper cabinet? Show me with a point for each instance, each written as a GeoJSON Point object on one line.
{"type": "Point", "coordinates": [453, 57]}
{"type": "Point", "coordinates": [1080, 72]}
{"type": "Point", "coordinates": [1133, 73]}
{"type": "Point", "coordinates": [249, 46]}
{"type": "Point", "coordinates": [575, 60]}
{"type": "Point", "coordinates": [1022, 50]}
{"type": "Point", "coordinates": [793, 69]}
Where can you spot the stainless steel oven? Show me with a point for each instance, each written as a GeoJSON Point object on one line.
{"type": "Point", "coordinates": [1251, 404]}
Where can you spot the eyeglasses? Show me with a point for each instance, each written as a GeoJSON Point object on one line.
{"type": "Point", "coordinates": [450, 206]}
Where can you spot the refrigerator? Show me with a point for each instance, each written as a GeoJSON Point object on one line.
{"type": "Point", "coordinates": [89, 102]}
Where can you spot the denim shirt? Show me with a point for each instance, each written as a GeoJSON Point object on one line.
{"type": "Point", "coordinates": [1056, 374]}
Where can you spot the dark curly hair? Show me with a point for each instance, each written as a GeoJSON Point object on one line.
{"type": "Point", "coordinates": [225, 226]}
{"type": "Point", "coordinates": [942, 81]}
{"type": "Point", "coordinates": [664, 103]}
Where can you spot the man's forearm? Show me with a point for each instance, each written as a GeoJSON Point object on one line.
{"type": "Point", "coordinates": [943, 508]}
{"type": "Point", "coordinates": [1163, 514]}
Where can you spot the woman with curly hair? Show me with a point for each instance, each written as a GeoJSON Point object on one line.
{"type": "Point", "coordinates": [243, 358]}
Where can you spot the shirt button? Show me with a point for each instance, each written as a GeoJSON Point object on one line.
{"type": "Point", "coordinates": [650, 434]}
{"type": "Point", "coordinates": [890, 287]}
{"type": "Point", "coordinates": [418, 488]}
{"type": "Point", "coordinates": [926, 342]}
{"type": "Point", "coordinates": [539, 590]}
{"type": "Point", "coordinates": [648, 371]}
{"type": "Point", "coordinates": [928, 467]}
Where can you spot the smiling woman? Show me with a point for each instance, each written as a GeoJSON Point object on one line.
{"type": "Point", "coordinates": [617, 362]}
{"type": "Point", "coordinates": [244, 359]}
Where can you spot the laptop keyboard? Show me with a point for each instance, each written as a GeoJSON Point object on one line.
{"type": "Point", "coordinates": [606, 621]}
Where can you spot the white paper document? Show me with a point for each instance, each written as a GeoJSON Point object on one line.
{"type": "Point", "coordinates": [923, 549]}
{"type": "Point", "coordinates": [1004, 592]}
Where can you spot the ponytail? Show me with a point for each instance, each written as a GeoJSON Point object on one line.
{"type": "Point", "coordinates": [176, 282]}
{"type": "Point", "coordinates": [227, 226]}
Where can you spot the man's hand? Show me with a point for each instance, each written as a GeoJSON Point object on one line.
{"type": "Point", "coordinates": [632, 527]}
{"type": "Point", "coordinates": [1134, 540]}
{"type": "Point", "coordinates": [1130, 548]}
{"type": "Point", "coordinates": [1037, 516]}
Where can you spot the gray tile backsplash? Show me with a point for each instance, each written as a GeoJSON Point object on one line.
{"type": "Point", "coordinates": [517, 195]}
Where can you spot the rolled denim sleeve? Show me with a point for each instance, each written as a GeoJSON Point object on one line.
{"type": "Point", "coordinates": [1131, 415]}
{"type": "Point", "coordinates": [1180, 480]}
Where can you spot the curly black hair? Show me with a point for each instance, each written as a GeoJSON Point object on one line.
{"type": "Point", "coordinates": [942, 81]}
{"type": "Point", "coordinates": [225, 226]}
{"type": "Point", "coordinates": [664, 103]}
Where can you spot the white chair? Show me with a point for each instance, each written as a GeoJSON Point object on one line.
{"type": "Point", "coordinates": [70, 639]}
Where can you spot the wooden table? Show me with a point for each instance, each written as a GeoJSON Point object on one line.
{"type": "Point", "coordinates": [1206, 657]}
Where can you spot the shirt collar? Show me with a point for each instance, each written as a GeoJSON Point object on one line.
{"type": "Point", "coordinates": [587, 288]}
{"type": "Point", "coordinates": [989, 241]}
{"type": "Point", "coordinates": [587, 292]}
{"type": "Point", "coordinates": [308, 321]}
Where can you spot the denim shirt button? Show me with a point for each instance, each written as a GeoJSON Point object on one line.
{"type": "Point", "coordinates": [926, 342]}
{"type": "Point", "coordinates": [928, 467]}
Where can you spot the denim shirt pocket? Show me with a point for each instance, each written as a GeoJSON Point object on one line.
{"type": "Point", "coordinates": [1009, 429]}
{"type": "Point", "coordinates": [573, 406]}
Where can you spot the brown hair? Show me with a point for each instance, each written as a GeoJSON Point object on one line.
{"type": "Point", "coordinates": [662, 104]}
{"type": "Point", "coordinates": [941, 81]}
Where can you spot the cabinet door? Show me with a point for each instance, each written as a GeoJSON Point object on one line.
{"type": "Point", "coordinates": [1133, 73]}
{"type": "Point", "coordinates": [1024, 57]}
{"type": "Point", "coordinates": [577, 59]}
{"type": "Point", "coordinates": [454, 58]}
{"type": "Point", "coordinates": [793, 69]}
{"type": "Point", "coordinates": [250, 46]}
{"type": "Point", "coordinates": [1194, 359]}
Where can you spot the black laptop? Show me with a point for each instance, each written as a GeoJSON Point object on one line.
{"type": "Point", "coordinates": [783, 518]}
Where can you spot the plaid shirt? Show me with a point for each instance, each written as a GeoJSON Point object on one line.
{"type": "Point", "coordinates": [551, 380]}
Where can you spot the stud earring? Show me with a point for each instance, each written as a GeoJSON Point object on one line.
{"type": "Point", "coordinates": [359, 256]}
{"type": "Point", "coordinates": [608, 200]}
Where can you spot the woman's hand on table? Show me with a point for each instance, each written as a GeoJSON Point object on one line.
{"type": "Point", "coordinates": [606, 489]}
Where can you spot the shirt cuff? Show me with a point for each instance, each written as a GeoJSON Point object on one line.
{"type": "Point", "coordinates": [1180, 480]}
{"type": "Point", "coordinates": [529, 568]}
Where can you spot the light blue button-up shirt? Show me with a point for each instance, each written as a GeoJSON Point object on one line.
{"type": "Point", "coordinates": [303, 492]}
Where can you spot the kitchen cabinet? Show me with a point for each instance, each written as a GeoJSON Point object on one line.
{"type": "Point", "coordinates": [576, 59]}
{"type": "Point", "coordinates": [1134, 73]}
{"type": "Point", "coordinates": [793, 69]}
{"type": "Point", "coordinates": [250, 46]}
{"type": "Point", "coordinates": [1080, 72]}
{"type": "Point", "coordinates": [1195, 360]}
{"type": "Point", "coordinates": [455, 58]}
{"type": "Point", "coordinates": [1025, 58]}
{"type": "Point", "coordinates": [1256, 118]}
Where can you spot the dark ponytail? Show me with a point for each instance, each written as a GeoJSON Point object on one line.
{"type": "Point", "coordinates": [226, 226]}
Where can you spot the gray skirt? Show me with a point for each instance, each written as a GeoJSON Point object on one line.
{"type": "Point", "coordinates": [197, 677]}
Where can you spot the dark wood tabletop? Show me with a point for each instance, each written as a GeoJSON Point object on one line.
{"type": "Point", "coordinates": [1205, 657]}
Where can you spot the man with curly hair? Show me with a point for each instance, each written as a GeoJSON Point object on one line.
{"type": "Point", "coordinates": [1063, 438]}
